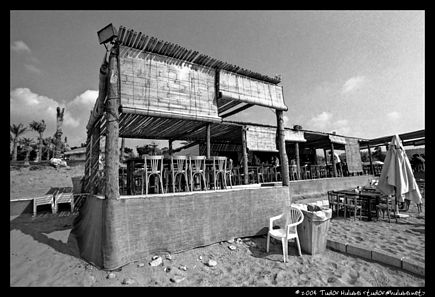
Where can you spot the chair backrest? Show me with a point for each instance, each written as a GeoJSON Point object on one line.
{"type": "Point", "coordinates": [293, 216]}
{"type": "Point", "coordinates": [219, 163]}
{"type": "Point", "coordinates": [153, 164]}
{"type": "Point", "coordinates": [179, 163]}
{"type": "Point", "coordinates": [230, 164]}
{"type": "Point", "coordinates": [197, 163]}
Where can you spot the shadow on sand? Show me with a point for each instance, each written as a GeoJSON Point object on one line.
{"type": "Point", "coordinates": [40, 226]}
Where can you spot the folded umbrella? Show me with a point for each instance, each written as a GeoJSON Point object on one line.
{"type": "Point", "coordinates": [397, 177]}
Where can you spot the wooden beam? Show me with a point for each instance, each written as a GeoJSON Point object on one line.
{"type": "Point", "coordinates": [298, 160]}
{"type": "Point", "coordinates": [208, 140]}
{"type": "Point", "coordinates": [334, 168]}
{"type": "Point", "coordinates": [170, 146]}
{"type": "Point", "coordinates": [245, 156]}
{"type": "Point", "coordinates": [281, 146]}
{"type": "Point", "coordinates": [112, 128]}
{"type": "Point", "coordinates": [372, 170]}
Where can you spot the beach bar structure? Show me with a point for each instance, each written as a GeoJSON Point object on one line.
{"type": "Point", "coordinates": [152, 89]}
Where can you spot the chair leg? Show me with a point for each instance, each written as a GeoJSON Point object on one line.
{"type": "Point", "coordinates": [299, 245]}
{"type": "Point", "coordinates": [283, 248]}
{"type": "Point", "coordinates": [187, 183]}
{"type": "Point", "coordinates": [161, 183]}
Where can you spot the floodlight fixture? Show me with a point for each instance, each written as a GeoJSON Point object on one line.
{"type": "Point", "coordinates": [107, 34]}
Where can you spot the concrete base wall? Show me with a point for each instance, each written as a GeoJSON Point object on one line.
{"type": "Point", "coordinates": [316, 188]}
{"type": "Point", "coordinates": [137, 227]}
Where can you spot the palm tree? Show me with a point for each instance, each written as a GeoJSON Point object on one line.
{"type": "Point", "coordinates": [49, 144]}
{"type": "Point", "coordinates": [17, 131]}
{"type": "Point", "coordinates": [40, 128]}
{"type": "Point", "coordinates": [27, 144]}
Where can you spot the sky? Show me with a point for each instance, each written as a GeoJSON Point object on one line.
{"type": "Point", "coordinates": [358, 73]}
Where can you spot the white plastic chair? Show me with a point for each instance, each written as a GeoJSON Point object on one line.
{"type": "Point", "coordinates": [64, 197]}
{"type": "Point", "coordinates": [290, 231]}
{"type": "Point", "coordinates": [44, 200]}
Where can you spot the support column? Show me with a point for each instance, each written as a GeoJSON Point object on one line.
{"type": "Point", "coordinates": [245, 156]}
{"type": "Point", "coordinates": [112, 128]}
{"type": "Point", "coordinates": [170, 146]}
{"type": "Point", "coordinates": [281, 146]}
{"type": "Point", "coordinates": [121, 158]}
{"type": "Point", "coordinates": [372, 170]}
{"type": "Point", "coordinates": [208, 141]}
{"type": "Point", "coordinates": [298, 160]}
{"type": "Point", "coordinates": [334, 168]}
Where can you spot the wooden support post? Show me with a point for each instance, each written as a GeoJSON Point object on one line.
{"type": "Point", "coordinates": [245, 156]}
{"type": "Point", "coordinates": [121, 158]}
{"type": "Point", "coordinates": [208, 141]}
{"type": "Point", "coordinates": [170, 146]}
{"type": "Point", "coordinates": [281, 147]}
{"type": "Point", "coordinates": [372, 169]}
{"type": "Point", "coordinates": [334, 168]}
{"type": "Point", "coordinates": [298, 160]}
{"type": "Point", "coordinates": [326, 158]}
{"type": "Point", "coordinates": [112, 128]}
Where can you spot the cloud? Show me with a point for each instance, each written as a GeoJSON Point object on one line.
{"type": "Point", "coordinates": [394, 115]}
{"type": "Point", "coordinates": [20, 46]}
{"type": "Point", "coordinates": [341, 127]}
{"type": "Point", "coordinates": [324, 122]}
{"type": "Point", "coordinates": [286, 120]}
{"type": "Point", "coordinates": [87, 98]}
{"type": "Point", "coordinates": [32, 68]}
{"type": "Point", "coordinates": [321, 120]}
{"type": "Point", "coordinates": [27, 106]}
{"type": "Point", "coordinates": [353, 84]}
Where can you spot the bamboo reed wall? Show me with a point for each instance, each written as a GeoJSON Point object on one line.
{"type": "Point", "coordinates": [260, 138]}
{"type": "Point", "coordinates": [249, 90]}
{"type": "Point", "coordinates": [353, 155]}
{"type": "Point", "coordinates": [162, 86]}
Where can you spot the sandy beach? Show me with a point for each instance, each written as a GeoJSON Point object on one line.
{"type": "Point", "coordinates": [42, 253]}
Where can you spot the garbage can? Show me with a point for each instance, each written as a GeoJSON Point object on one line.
{"type": "Point", "coordinates": [313, 230]}
{"type": "Point", "coordinates": [77, 182]}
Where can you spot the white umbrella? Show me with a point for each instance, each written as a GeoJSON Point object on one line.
{"type": "Point", "coordinates": [397, 177]}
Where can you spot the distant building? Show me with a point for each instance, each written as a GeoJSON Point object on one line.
{"type": "Point", "coordinates": [78, 154]}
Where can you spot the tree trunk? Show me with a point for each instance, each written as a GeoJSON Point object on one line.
{"type": "Point", "coordinates": [39, 155]}
{"type": "Point", "coordinates": [14, 152]}
{"type": "Point", "coordinates": [26, 160]}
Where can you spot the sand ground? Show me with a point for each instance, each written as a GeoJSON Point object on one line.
{"type": "Point", "coordinates": [42, 253]}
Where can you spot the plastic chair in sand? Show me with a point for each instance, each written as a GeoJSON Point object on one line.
{"type": "Point", "coordinates": [179, 167]}
{"type": "Point", "coordinates": [153, 166]}
{"type": "Point", "coordinates": [290, 231]}
{"type": "Point", "coordinates": [44, 200]}
{"type": "Point", "coordinates": [197, 168]}
{"type": "Point", "coordinates": [64, 197]}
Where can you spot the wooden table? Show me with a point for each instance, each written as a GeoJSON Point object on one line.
{"type": "Point", "coordinates": [369, 200]}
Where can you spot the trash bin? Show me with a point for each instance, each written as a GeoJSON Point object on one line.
{"type": "Point", "coordinates": [313, 230]}
{"type": "Point", "coordinates": [77, 182]}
